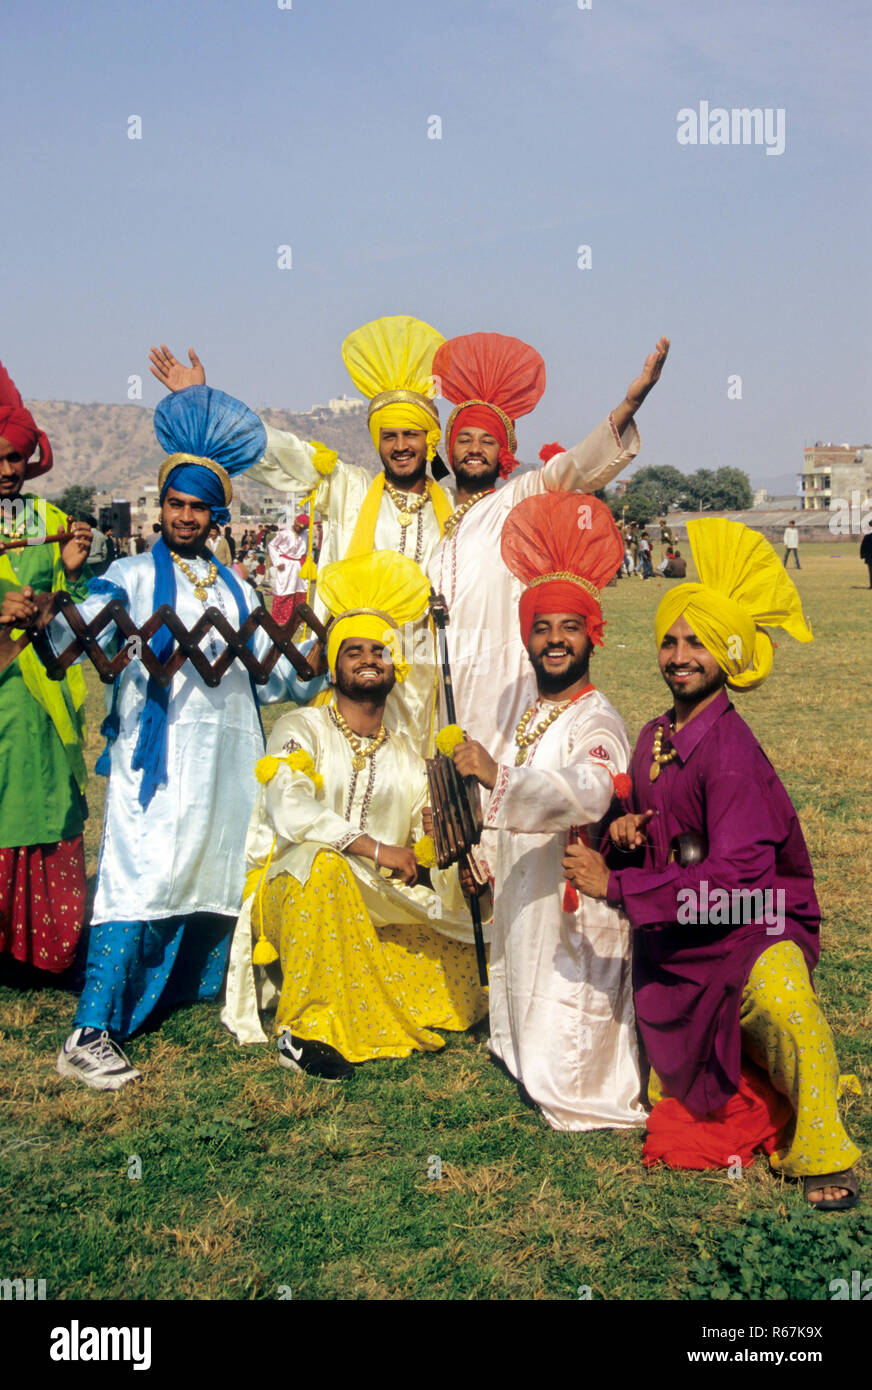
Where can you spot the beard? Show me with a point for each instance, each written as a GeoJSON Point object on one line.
{"type": "Point", "coordinates": [475, 482]}
{"type": "Point", "coordinates": [700, 692]}
{"type": "Point", "coordinates": [551, 683]}
{"type": "Point", "coordinates": [365, 692]}
{"type": "Point", "coordinates": [404, 481]}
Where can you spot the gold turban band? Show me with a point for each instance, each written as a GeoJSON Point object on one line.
{"type": "Point", "coordinates": [743, 589]}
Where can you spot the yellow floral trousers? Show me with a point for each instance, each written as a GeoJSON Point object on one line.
{"type": "Point", "coordinates": [784, 1031]}
{"type": "Point", "coordinates": [369, 991]}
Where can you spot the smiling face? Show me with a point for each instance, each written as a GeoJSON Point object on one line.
{"type": "Point", "coordinates": [364, 670]}
{"type": "Point", "coordinates": [559, 650]}
{"type": "Point", "coordinates": [185, 522]}
{"type": "Point", "coordinates": [475, 459]}
{"type": "Point", "coordinates": [688, 668]}
{"type": "Point", "coordinates": [12, 469]}
{"type": "Point", "coordinates": [404, 456]}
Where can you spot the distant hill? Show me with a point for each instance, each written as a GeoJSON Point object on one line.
{"type": "Point", "coordinates": [114, 448]}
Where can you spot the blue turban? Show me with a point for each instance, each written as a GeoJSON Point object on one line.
{"type": "Point", "coordinates": [212, 425]}
{"type": "Point", "coordinates": [198, 481]}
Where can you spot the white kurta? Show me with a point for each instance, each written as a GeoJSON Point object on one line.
{"type": "Point", "coordinates": [561, 995]}
{"type": "Point", "coordinates": [287, 465]}
{"type": "Point", "coordinates": [184, 853]}
{"type": "Point", "coordinates": [287, 551]}
{"type": "Point", "coordinates": [292, 822]}
{"type": "Point", "coordinates": [493, 678]}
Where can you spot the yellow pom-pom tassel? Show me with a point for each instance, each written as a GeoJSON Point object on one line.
{"type": "Point", "coordinates": [448, 738]}
{"type": "Point", "coordinates": [266, 769]}
{"type": "Point", "coordinates": [264, 953]}
{"type": "Point", "coordinates": [324, 460]}
{"type": "Point", "coordinates": [308, 569]}
{"type": "Point", "coordinates": [425, 852]}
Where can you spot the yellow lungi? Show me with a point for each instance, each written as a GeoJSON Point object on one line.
{"type": "Point", "coordinates": [367, 991]}
{"type": "Point", "coordinates": [784, 1031]}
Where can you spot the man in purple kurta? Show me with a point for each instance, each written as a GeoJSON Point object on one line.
{"type": "Point", "coordinates": [723, 905]}
{"type": "Point", "coordinates": [688, 978]}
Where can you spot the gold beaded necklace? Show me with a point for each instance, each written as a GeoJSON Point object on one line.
{"type": "Point", "coordinates": [201, 586]}
{"type": "Point", "coordinates": [457, 516]}
{"type": "Point", "coordinates": [660, 759]}
{"type": "Point", "coordinates": [360, 754]}
{"type": "Point", "coordinates": [406, 509]}
{"type": "Point", "coordinates": [524, 739]}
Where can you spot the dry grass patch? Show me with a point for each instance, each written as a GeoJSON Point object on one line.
{"type": "Point", "coordinates": [475, 1182]}
{"type": "Point", "coordinates": [214, 1235]}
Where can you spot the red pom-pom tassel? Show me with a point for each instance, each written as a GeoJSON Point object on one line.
{"type": "Point", "coordinates": [549, 450]}
{"type": "Point", "coordinates": [570, 897]}
{"type": "Point", "coordinates": [623, 783]}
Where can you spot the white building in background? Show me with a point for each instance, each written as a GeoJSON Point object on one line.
{"type": "Point", "coordinates": [833, 473]}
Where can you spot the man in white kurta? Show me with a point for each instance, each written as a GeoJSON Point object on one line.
{"type": "Point", "coordinates": [370, 965]}
{"type": "Point", "coordinates": [399, 508]}
{"type": "Point", "coordinates": [561, 989]}
{"type": "Point", "coordinates": [493, 680]}
{"type": "Point", "coordinates": [561, 1012]}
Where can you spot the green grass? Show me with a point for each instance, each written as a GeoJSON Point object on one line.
{"type": "Point", "coordinates": [255, 1182]}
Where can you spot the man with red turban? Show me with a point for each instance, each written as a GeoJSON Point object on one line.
{"type": "Point", "coordinates": [561, 999]}
{"type": "Point", "coordinates": [287, 553]}
{"type": "Point", "coordinates": [493, 380]}
{"type": "Point", "coordinates": [42, 768]}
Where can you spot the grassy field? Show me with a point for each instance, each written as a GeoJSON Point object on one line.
{"type": "Point", "coordinates": [257, 1185]}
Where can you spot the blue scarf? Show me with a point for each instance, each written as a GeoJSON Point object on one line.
{"type": "Point", "coordinates": [150, 754]}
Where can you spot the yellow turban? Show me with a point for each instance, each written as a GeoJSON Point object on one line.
{"type": "Point", "coordinates": [743, 586]}
{"type": "Point", "coordinates": [372, 597]}
{"type": "Point", "coordinates": [390, 362]}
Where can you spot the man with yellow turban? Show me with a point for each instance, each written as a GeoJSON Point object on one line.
{"type": "Point", "coordinates": [372, 960]}
{"type": "Point", "coordinates": [390, 362]}
{"type": "Point", "coordinates": [724, 907]}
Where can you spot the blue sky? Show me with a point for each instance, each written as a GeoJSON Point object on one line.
{"type": "Point", "coordinates": [308, 127]}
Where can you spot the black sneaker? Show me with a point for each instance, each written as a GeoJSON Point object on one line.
{"type": "Point", "coordinates": [313, 1058]}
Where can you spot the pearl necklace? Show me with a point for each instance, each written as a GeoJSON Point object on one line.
{"type": "Point", "coordinates": [457, 516]}
{"type": "Point", "coordinates": [524, 739]}
{"type": "Point", "coordinates": [660, 759]}
{"type": "Point", "coordinates": [406, 509]}
{"type": "Point", "coordinates": [360, 754]}
{"type": "Point", "coordinates": [201, 586]}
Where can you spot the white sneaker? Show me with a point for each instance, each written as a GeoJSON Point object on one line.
{"type": "Point", "coordinates": [98, 1062]}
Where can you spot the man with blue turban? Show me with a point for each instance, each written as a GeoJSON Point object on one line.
{"type": "Point", "coordinates": [180, 759]}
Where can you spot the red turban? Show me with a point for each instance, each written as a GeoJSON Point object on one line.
{"type": "Point", "coordinates": [492, 381]}
{"type": "Point", "coordinates": [18, 426]}
{"type": "Point", "coordinates": [565, 547]}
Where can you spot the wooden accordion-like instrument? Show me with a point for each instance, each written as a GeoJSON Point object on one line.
{"type": "Point", "coordinates": [455, 804]}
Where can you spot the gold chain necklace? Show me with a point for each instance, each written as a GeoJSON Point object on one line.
{"type": "Point", "coordinates": [524, 739]}
{"type": "Point", "coordinates": [358, 761]}
{"type": "Point", "coordinates": [660, 759]}
{"type": "Point", "coordinates": [457, 516]}
{"type": "Point", "coordinates": [405, 508]}
{"type": "Point", "coordinates": [201, 586]}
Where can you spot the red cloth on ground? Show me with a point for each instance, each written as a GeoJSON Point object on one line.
{"type": "Point", "coordinates": [756, 1119]}
{"type": "Point", "coordinates": [18, 426]}
{"type": "Point", "coordinates": [42, 903]}
{"type": "Point", "coordinates": [283, 606]}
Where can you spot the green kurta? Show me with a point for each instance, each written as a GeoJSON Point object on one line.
{"type": "Point", "coordinates": [40, 797]}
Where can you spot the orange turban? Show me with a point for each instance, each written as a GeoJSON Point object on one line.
{"type": "Point", "coordinates": [18, 426]}
{"type": "Point", "coordinates": [492, 381]}
{"type": "Point", "coordinates": [565, 547]}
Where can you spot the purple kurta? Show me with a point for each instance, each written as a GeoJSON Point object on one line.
{"type": "Point", "coordinates": [689, 979]}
